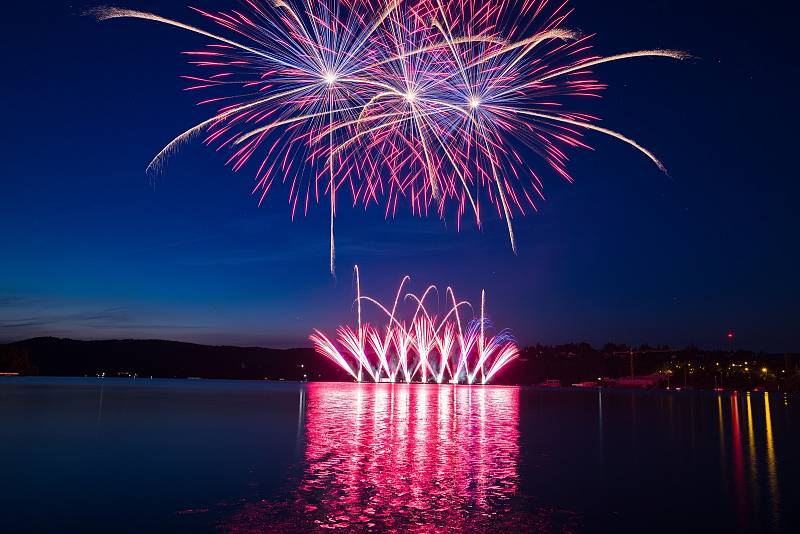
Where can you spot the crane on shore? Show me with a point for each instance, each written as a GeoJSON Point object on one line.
{"type": "Point", "coordinates": [633, 352]}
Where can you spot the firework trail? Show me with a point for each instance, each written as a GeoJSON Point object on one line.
{"type": "Point", "coordinates": [424, 347]}
{"type": "Point", "coordinates": [430, 102]}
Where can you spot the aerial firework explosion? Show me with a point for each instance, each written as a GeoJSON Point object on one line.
{"type": "Point", "coordinates": [426, 348]}
{"type": "Point", "coordinates": [436, 103]}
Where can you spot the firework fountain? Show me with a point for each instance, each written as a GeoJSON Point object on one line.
{"type": "Point", "coordinates": [431, 102]}
{"type": "Point", "coordinates": [425, 348]}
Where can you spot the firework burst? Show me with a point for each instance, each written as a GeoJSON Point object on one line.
{"type": "Point", "coordinates": [424, 347]}
{"type": "Point", "coordinates": [423, 102]}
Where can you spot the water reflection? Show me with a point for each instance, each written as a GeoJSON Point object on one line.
{"type": "Point", "coordinates": [751, 448]}
{"type": "Point", "coordinates": [738, 460]}
{"type": "Point", "coordinates": [760, 468]}
{"type": "Point", "coordinates": [428, 458]}
{"type": "Point", "coordinates": [404, 458]}
{"type": "Point", "coordinates": [772, 472]}
{"type": "Point", "coordinates": [393, 456]}
{"type": "Point", "coordinates": [721, 420]}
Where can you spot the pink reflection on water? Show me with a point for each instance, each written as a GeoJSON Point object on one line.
{"type": "Point", "coordinates": [738, 461]}
{"type": "Point", "coordinates": [406, 458]}
{"type": "Point", "coordinates": [396, 456]}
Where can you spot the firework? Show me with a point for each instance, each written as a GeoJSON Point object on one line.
{"type": "Point", "coordinates": [427, 102]}
{"type": "Point", "coordinates": [426, 347]}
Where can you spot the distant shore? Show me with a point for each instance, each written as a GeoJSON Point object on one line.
{"type": "Point", "coordinates": [578, 365]}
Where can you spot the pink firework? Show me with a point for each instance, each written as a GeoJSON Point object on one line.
{"type": "Point", "coordinates": [423, 347]}
{"type": "Point", "coordinates": [430, 103]}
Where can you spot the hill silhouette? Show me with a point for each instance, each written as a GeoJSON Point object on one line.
{"type": "Point", "coordinates": [167, 359]}
{"type": "Point", "coordinates": [569, 363]}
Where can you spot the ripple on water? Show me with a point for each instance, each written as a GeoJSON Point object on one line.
{"type": "Point", "coordinates": [420, 458]}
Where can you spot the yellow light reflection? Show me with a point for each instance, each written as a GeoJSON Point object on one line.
{"type": "Point", "coordinates": [751, 446]}
{"type": "Point", "coordinates": [772, 469]}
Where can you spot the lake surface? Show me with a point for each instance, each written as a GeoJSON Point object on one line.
{"type": "Point", "coordinates": [80, 454]}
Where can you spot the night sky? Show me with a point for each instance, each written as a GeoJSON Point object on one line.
{"type": "Point", "coordinates": [90, 248]}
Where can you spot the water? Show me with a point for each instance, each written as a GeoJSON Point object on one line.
{"type": "Point", "coordinates": [80, 454]}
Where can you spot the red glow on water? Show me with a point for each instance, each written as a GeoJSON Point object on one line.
{"type": "Point", "coordinates": [405, 458]}
{"type": "Point", "coordinates": [388, 455]}
{"type": "Point", "coordinates": [738, 458]}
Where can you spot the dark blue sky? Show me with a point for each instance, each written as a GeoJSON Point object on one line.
{"type": "Point", "coordinates": [90, 249]}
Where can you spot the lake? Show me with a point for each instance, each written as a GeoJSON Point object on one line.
{"type": "Point", "coordinates": [81, 454]}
